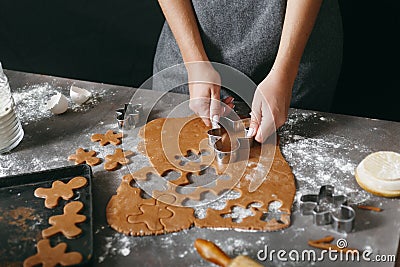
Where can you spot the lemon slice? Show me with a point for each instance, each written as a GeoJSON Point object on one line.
{"type": "Point", "coordinates": [379, 173]}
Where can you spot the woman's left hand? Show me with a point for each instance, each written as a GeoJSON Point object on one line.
{"type": "Point", "coordinates": [270, 105]}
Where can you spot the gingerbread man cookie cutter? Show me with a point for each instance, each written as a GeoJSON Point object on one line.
{"type": "Point", "coordinates": [129, 116]}
{"type": "Point", "coordinates": [237, 131]}
{"type": "Point", "coordinates": [328, 208]}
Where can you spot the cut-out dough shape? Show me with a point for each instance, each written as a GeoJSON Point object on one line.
{"type": "Point", "coordinates": [278, 183]}
{"type": "Point", "coordinates": [108, 138]}
{"type": "Point", "coordinates": [66, 223]}
{"type": "Point", "coordinates": [154, 144]}
{"type": "Point", "coordinates": [49, 256]}
{"type": "Point", "coordinates": [119, 157]}
{"type": "Point", "coordinates": [151, 216]}
{"type": "Point", "coordinates": [59, 190]}
{"type": "Point", "coordinates": [172, 192]}
{"type": "Point", "coordinates": [81, 156]}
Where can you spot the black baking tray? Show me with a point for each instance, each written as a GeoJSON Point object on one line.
{"type": "Point", "coordinates": [23, 216]}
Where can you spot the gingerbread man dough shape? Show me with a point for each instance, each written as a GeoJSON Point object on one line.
{"type": "Point", "coordinates": [59, 190]}
{"type": "Point", "coordinates": [151, 215]}
{"type": "Point", "coordinates": [119, 157]}
{"type": "Point", "coordinates": [66, 223]}
{"type": "Point", "coordinates": [81, 156]}
{"type": "Point", "coordinates": [51, 256]}
{"type": "Point", "coordinates": [108, 138]}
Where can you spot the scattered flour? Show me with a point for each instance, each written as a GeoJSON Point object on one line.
{"type": "Point", "coordinates": [235, 246]}
{"type": "Point", "coordinates": [238, 214]}
{"type": "Point", "coordinates": [200, 211]}
{"type": "Point", "coordinates": [118, 244]}
{"type": "Point", "coordinates": [11, 164]}
{"type": "Point", "coordinates": [316, 161]}
{"type": "Point", "coordinates": [90, 103]}
{"type": "Point", "coordinates": [31, 101]}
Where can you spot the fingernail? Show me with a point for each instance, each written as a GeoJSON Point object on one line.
{"type": "Point", "coordinates": [215, 118]}
{"type": "Point", "coordinates": [215, 121]}
{"type": "Point", "coordinates": [250, 132]}
{"type": "Point", "coordinates": [232, 100]}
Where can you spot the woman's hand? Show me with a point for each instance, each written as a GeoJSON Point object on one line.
{"type": "Point", "coordinates": [272, 98]}
{"type": "Point", "coordinates": [270, 105]}
{"type": "Point", "coordinates": [204, 89]}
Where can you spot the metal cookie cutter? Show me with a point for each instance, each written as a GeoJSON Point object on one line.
{"type": "Point", "coordinates": [237, 132]}
{"type": "Point", "coordinates": [129, 116]}
{"type": "Point", "coordinates": [327, 208]}
{"type": "Point", "coordinates": [235, 125]}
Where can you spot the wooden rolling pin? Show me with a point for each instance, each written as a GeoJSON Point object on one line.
{"type": "Point", "coordinates": [214, 254]}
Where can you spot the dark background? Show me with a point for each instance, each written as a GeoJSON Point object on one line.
{"type": "Point", "coordinates": [114, 42]}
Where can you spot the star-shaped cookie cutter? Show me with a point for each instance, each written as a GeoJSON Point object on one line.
{"type": "Point", "coordinates": [129, 116]}
{"type": "Point", "coordinates": [328, 208]}
{"type": "Point", "coordinates": [237, 131]}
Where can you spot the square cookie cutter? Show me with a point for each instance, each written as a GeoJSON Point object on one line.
{"type": "Point", "coordinates": [328, 208]}
{"type": "Point", "coordinates": [129, 116]}
{"type": "Point", "coordinates": [240, 143]}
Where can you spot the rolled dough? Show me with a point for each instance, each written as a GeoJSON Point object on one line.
{"type": "Point", "coordinates": [164, 142]}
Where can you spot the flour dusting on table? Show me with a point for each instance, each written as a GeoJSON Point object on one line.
{"type": "Point", "coordinates": [31, 101]}
{"type": "Point", "coordinates": [118, 244]}
{"type": "Point", "coordinates": [320, 160]}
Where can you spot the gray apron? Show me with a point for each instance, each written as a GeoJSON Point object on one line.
{"type": "Point", "coordinates": [245, 35]}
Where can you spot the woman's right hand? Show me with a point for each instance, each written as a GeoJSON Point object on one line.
{"type": "Point", "coordinates": [204, 89]}
{"type": "Point", "coordinates": [204, 80]}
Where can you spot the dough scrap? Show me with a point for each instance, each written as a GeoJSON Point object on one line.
{"type": "Point", "coordinates": [108, 138]}
{"type": "Point", "coordinates": [66, 223]}
{"type": "Point", "coordinates": [119, 157]}
{"type": "Point", "coordinates": [59, 190]}
{"type": "Point", "coordinates": [164, 147]}
{"type": "Point", "coordinates": [51, 256]}
{"type": "Point", "coordinates": [81, 156]}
